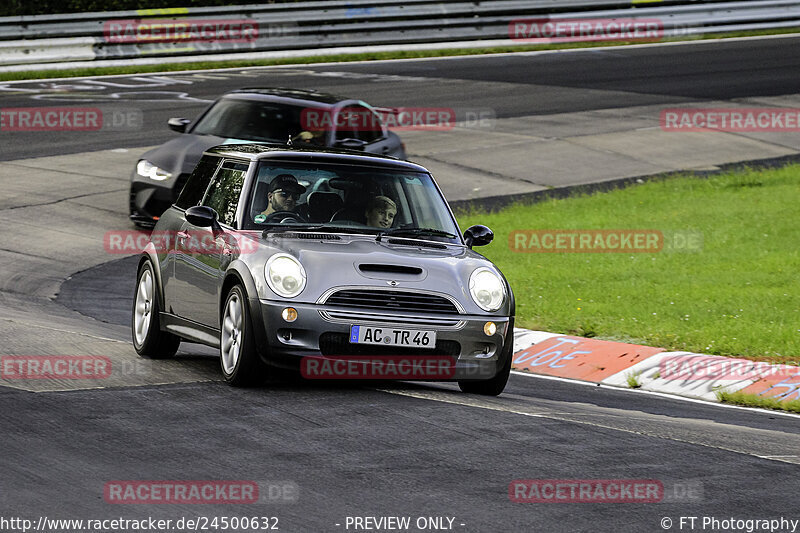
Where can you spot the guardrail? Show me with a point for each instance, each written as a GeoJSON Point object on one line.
{"type": "Point", "coordinates": [352, 23]}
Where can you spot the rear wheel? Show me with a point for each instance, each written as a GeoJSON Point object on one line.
{"type": "Point", "coordinates": [148, 339]}
{"type": "Point", "coordinates": [239, 358]}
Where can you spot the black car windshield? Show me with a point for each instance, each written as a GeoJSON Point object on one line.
{"type": "Point", "coordinates": [253, 120]}
{"type": "Point", "coordinates": [400, 203]}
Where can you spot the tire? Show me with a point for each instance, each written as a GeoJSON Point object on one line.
{"type": "Point", "coordinates": [238, 357]}
{"type": "Point", "coordinates": [148, 339]}
{"type": "Point", "coordinates": [493, 386]}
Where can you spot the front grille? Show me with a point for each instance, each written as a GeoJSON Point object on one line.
{"type": "Point", "coordinates": [360, 317]}
{"type": "Point", "coordinates": [402, 301]}
{"type": "Point", "coordinates": [339, 344]}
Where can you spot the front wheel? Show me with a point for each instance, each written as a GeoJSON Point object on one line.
{"type": "Point", "coordinates": [493, 386]}
{"type": "Point", "coordinates": [148, 339]}
{"type": "Point", "coordinates": [239, 358]}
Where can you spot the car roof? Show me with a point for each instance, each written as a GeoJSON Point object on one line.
{"type": "Point", "coordinates": [284, 94]}
{"type": "Point", "coordinates": [259, 151]}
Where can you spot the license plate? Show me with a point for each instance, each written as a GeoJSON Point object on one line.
{"type": "Point", "coordinates": [415, 338]}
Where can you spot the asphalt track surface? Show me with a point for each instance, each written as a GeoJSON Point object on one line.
{"type": "Point", "coordinates": [559, 82]}
{"type": "Point", "coordinates": [417, 450]}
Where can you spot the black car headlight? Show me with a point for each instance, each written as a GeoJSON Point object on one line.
{"type": "Point", "coordinates": [487, 289]}
{"type": "Point", "coordinates": [285, 275]}
{"type": "Point", "coordinates": [146, 169]}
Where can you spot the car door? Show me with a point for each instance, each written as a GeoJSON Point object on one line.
{"type": "Point", "coordinates": [192, 194]}
{"type": "Point", "coordinates": [201, 253]}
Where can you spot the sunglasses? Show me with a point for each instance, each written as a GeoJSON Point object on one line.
{"type": "Point", "coordinates": [286, 194]}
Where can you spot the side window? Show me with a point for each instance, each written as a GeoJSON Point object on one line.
{"type": "Point", "coordinates": [358, 122]}
{"type": "Point", "coordinates": [223, 194]}
{"type": "Point", "coordinates": [197, 184]}
{"type": "Point", "coordinates": [372, 129]}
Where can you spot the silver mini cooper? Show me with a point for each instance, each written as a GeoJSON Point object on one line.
{"type": "Point", "coordinates": [342, 264]}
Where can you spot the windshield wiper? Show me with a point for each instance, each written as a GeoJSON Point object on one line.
{"type": "Point", "coordinates": [415, 232]}
{"type": "Point", "coordinates": [276, 227]}
{"type": "Point", "coordinates": [272, 227]}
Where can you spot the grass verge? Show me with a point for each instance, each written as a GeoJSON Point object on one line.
{"type": "Point", "coordinates": [368, 56]}
{"type": "Point", "coordinates": [738, 294]}
{"type": "Point", "coordinates": [754, 400]}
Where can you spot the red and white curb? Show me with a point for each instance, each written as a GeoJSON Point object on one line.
{"type": "Point", "coordinates": [686, 374]}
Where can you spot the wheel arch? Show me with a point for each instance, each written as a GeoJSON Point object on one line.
{"type": "Point", "coordinates": [149, 254]}
{"type": "Point", "coordinates": [238, 273]}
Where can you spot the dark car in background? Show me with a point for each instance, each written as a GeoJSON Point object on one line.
{"type": "Point", "coordinates": [367, 260]}
{"type": "Point", "coordinates": [280, 116]}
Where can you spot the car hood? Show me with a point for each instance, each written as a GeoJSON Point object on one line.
{"type": "Point", "coordinates": [181, 154]}
{"type": "Point", "coordinates": [361, 261]}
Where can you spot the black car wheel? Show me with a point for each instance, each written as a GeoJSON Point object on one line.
{"type": "Point", "coordinates": [148, 339]}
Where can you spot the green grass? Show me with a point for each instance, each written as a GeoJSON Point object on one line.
{"type": "Point", "coordinates": [633, 380]}
{"type": "Point", "coordinates": [739, 295]}
{"type": "Point", "coordinates": [368, 56]}
{"type": "Point", "coordinates": [754, 400]}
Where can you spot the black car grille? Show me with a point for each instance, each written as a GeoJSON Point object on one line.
{"type": "Point", "coordinates": [339, 344]}
{"type": "Point", "coordinates": [392, 301]}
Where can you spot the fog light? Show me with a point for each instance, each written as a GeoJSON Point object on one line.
{"type": "Point", "coordinates": [289, 314]}
{"type": "Point", "coordinates": [490, 328]}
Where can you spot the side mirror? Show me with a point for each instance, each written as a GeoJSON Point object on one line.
{"type": "Point", "coordinates": [478, 236]}
{"type": "Point", "coordinates": [202, 216]}
{"type": "Point", "coordinates": [351, 144]}
{"type": "Point", "coordinates": [178, 124]}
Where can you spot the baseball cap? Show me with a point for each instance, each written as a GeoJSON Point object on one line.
{"type": "Point", "coordinates": [286, 182]}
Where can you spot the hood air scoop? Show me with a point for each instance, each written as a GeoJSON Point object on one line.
{"type": "Point", "coordinates": [391, 272]}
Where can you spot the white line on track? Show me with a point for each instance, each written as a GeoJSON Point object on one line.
{"type": "Point", "coordinates": [455, 397]}
{"type": "Point", "coordinates": [660, 394]}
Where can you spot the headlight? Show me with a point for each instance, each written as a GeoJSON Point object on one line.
{"type": "Point", "coordinates": [285, 275]}
{"type": "Point", "coordinates": [487, 289]}
{"type": "Point", "coordinates": [147, 169]}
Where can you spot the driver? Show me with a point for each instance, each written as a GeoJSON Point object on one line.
{"type": "Point", "coordinates": [284, 191]}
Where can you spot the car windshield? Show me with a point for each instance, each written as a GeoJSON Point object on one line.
{"type": "Point", "coordinates": [254, 121]}
{"type": "Point", "coordinates": [349, 199]}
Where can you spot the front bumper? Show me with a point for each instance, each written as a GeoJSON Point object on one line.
{"type": "Point", "coordinates": [321, 330]}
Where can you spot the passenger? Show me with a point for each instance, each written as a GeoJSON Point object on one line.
{"type": "Point", "coordinates": [380, 212]}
